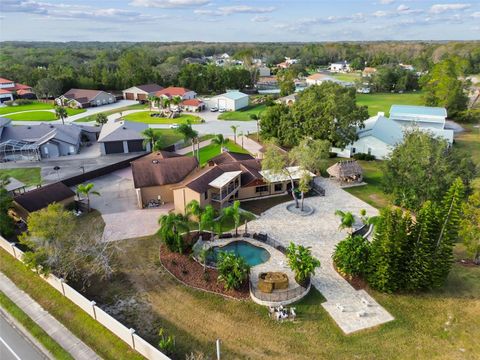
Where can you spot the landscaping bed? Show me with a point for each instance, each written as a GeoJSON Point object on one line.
{"type": "Point", "coordinates": [147, 118]}
{"type": "Point", "coordinates": [190, 272]}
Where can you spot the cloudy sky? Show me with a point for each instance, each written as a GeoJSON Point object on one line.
{"type": "Point", "coordinates": [238, 20]}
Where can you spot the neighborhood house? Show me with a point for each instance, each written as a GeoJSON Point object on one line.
{"type": "Point", "coordinates": [122, 137]}
{"type": "Point", "coordinates": [9, 90]}
{"type": "Point", "coordinates": [172, 91]}
{"type": "Point", "coordinates": [84, 98]}
{"type": "Point", "coordinates": [342, 66]}
{"type": "Point", "coordinates": [141, 92]}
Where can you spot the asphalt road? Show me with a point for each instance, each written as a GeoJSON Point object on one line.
{"type": "Point", "coordinates": [14, 346]}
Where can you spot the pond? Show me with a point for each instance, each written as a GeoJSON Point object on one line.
{"type": "Point", "coordinates": [252, 254]}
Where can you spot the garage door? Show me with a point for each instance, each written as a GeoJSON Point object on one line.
{"type": "Point", "coordinates": [129, 96]}
{"type": "Point", "coordinates": [135, 145]}
{"type": "Point", "coordinates": [142, 97]}
{"type": "Point", "coordinates": [222, 103]}
{"type": "Point", "coordinates": [114, 147]}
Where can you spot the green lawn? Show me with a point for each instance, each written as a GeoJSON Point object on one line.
{"type": "Point", "coordinates": [29, 176]}
{"type": "Point", "coordinates": [469, 141]}
{"type": "Point", "coordinates": [350, 77]}
{"type": "Point", "coordinates": [383, 101]}
{"type": "Point", "coordinates": [169, 136]}
{"type": "Point", "coordinates": [111, 112]}
{"type": "Point", "coordinates": [33, 106]}
{"type": "Point", "coordinates": [144, 117]}
{"type": "Point", "coordinates": [36, 331]}
{"type": "Point", "coordinates": [212, 150]}
{"type": "Point", "coordinates": [33, 116]}
{"type": "Point", "coordinates": [243, 114]}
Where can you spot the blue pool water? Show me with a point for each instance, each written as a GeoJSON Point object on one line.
{"type": "Point", "coordinates": [252, 254]}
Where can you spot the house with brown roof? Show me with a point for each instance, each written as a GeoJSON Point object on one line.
{"type": "Point", "coordinates": [40, 198]}
{"type": "Point", "coordinates": [141, 92]}
{"type": "Point", "coordinates": [9, 90]}
{"type": "Point", "coordinates": [84, 98]}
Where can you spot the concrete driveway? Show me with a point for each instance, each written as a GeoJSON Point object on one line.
{"type": "Point", "coordinates": [118, 205]}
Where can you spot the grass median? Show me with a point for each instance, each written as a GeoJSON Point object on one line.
{"type": "Point", "coordinates": [92, 333]}
{"type": "Point", "coordinates": [36, 331]}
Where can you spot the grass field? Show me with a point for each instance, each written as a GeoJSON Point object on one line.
{"type": "Point", "coordinates": [40, 115]}
{"type": "Point", "coordinates": [243, 114]}
{"type": "Point", "coordinates": [383, 101]}
{"type": "Point", "coordinates": [169, 136]}
{"type": "Point", "coordinates": [212, 150]}
{"type": "Point", "coordinates": [442, 324]}
{"type": "Point", "coordinates": [36, 331]}
{"type": "Point", "coordinates": [33, 106]}
{"type": "Point", "coordinates": [29, 176]}
{"type": "Point", "coordinates": [144, 117]}
{"type": "Point", "coordinates": [350, 77]}
{"type": "Point", "coordinates": [93, 117]}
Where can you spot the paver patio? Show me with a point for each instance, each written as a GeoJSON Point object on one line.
{"type": "Point", "coordinates": [320, 232]}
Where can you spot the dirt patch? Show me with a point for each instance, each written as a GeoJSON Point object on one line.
{"type": "Point", "coordinates": [187, 270]}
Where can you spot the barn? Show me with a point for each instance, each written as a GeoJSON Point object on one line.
{"type": "Point", "coordinates": [230, 101]}
{"type": "Point", "coordinates": [122, 137]}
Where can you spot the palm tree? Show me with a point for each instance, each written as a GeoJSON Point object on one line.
{"type": "Point", "coordinates": [152, 99]}
{"type": "Point", "coordinates": [87, 189]}
{"type": "Point", "coordinates": [234, 128]}
{"type": "Point", "coordinates": [241, 137]}
{"type": "Point", "coordinates": [236, 215]}
{"type": "Point", "coordinates": [188, 134]}
{"type": "Point", "coordinates": [207, 219]}
{"type": "Point", "coordinates": [164, 102]}
{"type": "Point", "coordinates": [176, 100]}
{"type": "Point", "coordinates": [150, 136]}
{"type": "Point", "coordinates": [219, 140]}
{"type": "Point", "coordinates": [171, 227]}
{"type": "Point", "coordinates": [347, 220]}
{"type": "Point", "coordinates": [193, 208]}
{"type": "Point", "coordinates": [61, 113]}
{"type": "Point", "coordinates": [256, 118]}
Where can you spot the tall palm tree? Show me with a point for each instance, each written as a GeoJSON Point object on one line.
{"type": "Point", "coordinates": [87, 190]}
{"type": "Point", "coordinates": [150, 136]}
{"type": "Point", "coordinates": [152, 99]}
{"type": "Point", "coordinates": [234, 128]}
{"type": "Point", "coordinates": [207, 219]}
{"type": "Point", "coordinates": [171, 227]}
{"type": "Point", "coordinates": [176, 100]}
{"type": "Point", "coordinates": [193, 208]}
{"type": "Point", "coordinates": [188, 134]}
{"type": "Point", "coordinates": [236, 215]}
{"type": "Point", "coordinates": [61, 113]}
{"type": "Point", "coordinates": [346, 220]}
{"type": "Point", "coordinates": [219, 140]}
{"type": "Point", "coordinates": [241, 136]}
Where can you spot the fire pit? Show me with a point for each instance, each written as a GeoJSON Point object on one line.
{"type": "Point", "coordinates": [269, 281]}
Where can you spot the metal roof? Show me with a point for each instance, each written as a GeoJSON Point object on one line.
{"type": "Point", "coordinates": [224, 179]}
{"type": "Point", "coordinates": [415, 111]}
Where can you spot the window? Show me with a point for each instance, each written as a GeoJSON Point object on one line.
{"type": "Point", "coordinates": [260, 189]}
{"type": "Point", "coordinates": [278, 187]}
{"type": "Point", "coordinates": [369, 151]}
{"type": "Point", "coordinates": [206, 195]}
{"type": "Point", "coordinates": [354, 150]}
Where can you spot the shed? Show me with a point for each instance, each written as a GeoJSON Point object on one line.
{"type": "Point", "coordinates": [348, 171]}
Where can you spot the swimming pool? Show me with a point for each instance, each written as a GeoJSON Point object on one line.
{"type": "Point", "coordinates": [252, 254]}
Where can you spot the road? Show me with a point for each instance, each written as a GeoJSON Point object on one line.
{"type": "Point", "coordinates": [14, 345]}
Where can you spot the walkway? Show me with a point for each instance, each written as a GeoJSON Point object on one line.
{"type": "Point", "coordinates": [187, 149]}
{"type": "Point", "coordinates": [320, 232]}
{"type": "Point", "coordinates": [250, 145]}
{"type": "Point", "coordinates": [46, 321]}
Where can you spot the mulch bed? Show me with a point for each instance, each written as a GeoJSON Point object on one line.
{"type": "Point", "coordinates": [357, 282]}
{"type": "Point", "coordinates": [184, 268]}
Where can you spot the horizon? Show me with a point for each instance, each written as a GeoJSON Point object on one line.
{"type": "Point", "coordinates": [240, 21]}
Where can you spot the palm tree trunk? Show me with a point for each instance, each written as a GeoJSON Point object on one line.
{"type": "Point", "coordinates": [303, 198]}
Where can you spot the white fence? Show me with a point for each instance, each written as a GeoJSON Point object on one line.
{"type": "Point", "coordinates": [127, 335]}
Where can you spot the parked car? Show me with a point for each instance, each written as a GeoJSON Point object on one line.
{"type": "Point", "coordinates": [213, 109]}
{"type": "Point", "coordinates": [174, 126]}
{"type": "Point", "coordinates": [222, 110]}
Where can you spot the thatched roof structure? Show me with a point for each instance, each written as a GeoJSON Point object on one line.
{"type": "Point", "coordinates": [346, 170]}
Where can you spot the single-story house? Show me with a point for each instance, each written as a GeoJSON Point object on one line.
{"type": "Point", "coordinates": [141, 92]}
{"type": "Point", "coordinates": [230, 101]}
{"type": "Point", "coordinates": [167, 177]}
{"type": "Point", "coordinates": [122, 137]}
{"type": "Point", "coordinates": [263, 71]}
{"type": "Point", "coordinates": [84, 98]}
{"type": "Point", "coordinates": [155, 174]}
{"type": "Point", "coordinates": [9, 90]}
{"type": "Point", "coordinates": [368, 71]}
{"type": "Point", "coordinates": [45, 140]}
{"type": "Point", "coordinates": [40, 198]}
{"type": "Point", "coordinates": [193, 105]}
{"type": "Point", "coordinates": [380, 134]}
{"type": "Point", "coordinates": [173, 91]}
{"type": "Point", "coordinates": [342, 66]}
{"type": "Point", "coordinates": [287, 100]}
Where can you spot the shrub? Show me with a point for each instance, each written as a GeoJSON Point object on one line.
{"type": "Point", "coordinates": [23, 101]}
{"type": "Point", "coordinates": [166, 343]}
{"type": "Point", "coordinates": [301, 261]}
{"type": "Point", "coordinates": [351, 255]}
{"type": "Point", "coordinates": [362, 156]}
{"type": "Point", "coordinates": [469, 116]}
{"type": "Point", "coordinates": [233, 270]}
{"type": "Point", "coordinates": [332, 155]}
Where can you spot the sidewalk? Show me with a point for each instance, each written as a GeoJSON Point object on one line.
{"type": "Point", "coordinates": [46, 321]}
{"type": "Point", "coordinates": [250, 145]}
{"type": "Point", "coordinates": [188, 148]}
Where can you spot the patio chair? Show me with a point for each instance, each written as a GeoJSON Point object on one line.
{"type": "Point", "coordinates": [293, 314]}
{"type": "Point", "coordinates": [340, 307]}
{"type": "Point", "coordinates": [365, 302]}
{"type": "Point", "coordinates": [362, 313]}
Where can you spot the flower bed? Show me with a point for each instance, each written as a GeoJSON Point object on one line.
{"type": "Point", "coordinates": [188, 271]}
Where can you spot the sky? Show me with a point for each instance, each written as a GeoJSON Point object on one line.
{"type": "Point", "coordinates": [238, 20]}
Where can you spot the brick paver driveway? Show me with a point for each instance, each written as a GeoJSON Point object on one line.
{"type": "Point", "coordinates": [118, 205]}
{"type": "Point", "coordinates": [320, 232]}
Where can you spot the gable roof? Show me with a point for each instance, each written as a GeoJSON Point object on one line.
{"type": "Point", "coordinates": [82, 95]}
{"type": "Point", "coordinates": [316, 76]}
{"type": "Point", "coordinates": [5, 91]}
{"type": "Point", "coordinates": [230, 156]}
{"type": "Point", "coordinates": [414, 111]}
{"type": "Point", "coordinates": [233, 95]}
{"type": "Point", "coordinates": [5, 81]}
{"type": "Point", "coordinates": [122, 130]}
{"type": "Point", "coordinates": [149, 88]}
{"type": "Point", "coordinates": [382, 128]}
{"type": "Point", "coordinates": [42, 197]}
{"type": "Point", "coordinates": [344, 169]}
{"type": "Point", "coordinates": [162, 168]}
{"type": "Point", "coordinates": [172, 91]}
{"type": "Point", "coordinates": [42, 133]}
{"type": "Point", "coordinates": [192, 102]}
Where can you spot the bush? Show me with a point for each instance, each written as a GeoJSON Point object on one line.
{"type": "Point", "coordinates": [469, 116]}
{"type": "Point", "coordinates": [332, 155]}
{"type": "Point", "coordinates": [351, 255]}
{"type": "Point", "coordinates": [302, 263]}
{"type": "Point", "coordinates": [233, 270]}
{"type": "Point", "coordinates": [366, 157]}
{"type": "Point", "coordinates": [23, 101]}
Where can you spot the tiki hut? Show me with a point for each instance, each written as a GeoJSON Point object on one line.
{"type": "Point", "coordinates": [348, 171]}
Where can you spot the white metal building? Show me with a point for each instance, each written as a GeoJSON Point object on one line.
{"type": "Point", "coordinates": [230, 101]}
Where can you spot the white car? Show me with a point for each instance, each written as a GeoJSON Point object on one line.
{"type": "Point", "coordinates": [213, 109]}
{"type": "Point", "coordinates": [174, 126]}
{"type": "Point", "coordinates": [222, 110]}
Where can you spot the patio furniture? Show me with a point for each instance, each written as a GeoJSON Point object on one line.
{"type": "Point", "coordinates": [269, 281]}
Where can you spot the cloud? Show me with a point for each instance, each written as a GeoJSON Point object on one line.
{"type": "Point", "coordinates": [260, 18]}
{"type": "Point", "coordinates": [235, 9]}
{"type": "Point", "coordinates": [69, 11]}
{"type": "Point", "coordinates": [380, 13]}
{"type": "Point", "coordinates": [406, 10]}
{"type": "Point", "coordinates": [476, 15]}
{"type": "Point", "coordinates": [441, 8]}
{"type": "Point", "coordinates": [168, 4]}
{"type": "Point", "coordinates": [386, 2]}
